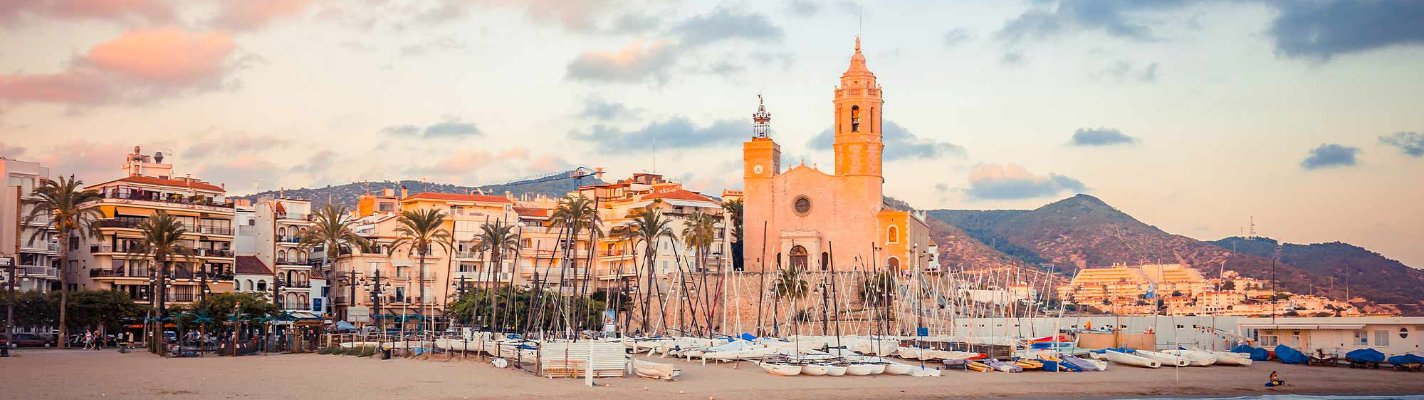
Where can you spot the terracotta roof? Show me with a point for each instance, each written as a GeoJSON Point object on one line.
{"type": "Point", "coordinates": [679, 195]}
{"type": "Point", "coordinates": [460, 197]}
{"type": "Point", "coordinates": [251, 265]}
{"type": "Point", "coordinates": [533, 212]}
{"type": "Point", "coordinates": [177, 183]}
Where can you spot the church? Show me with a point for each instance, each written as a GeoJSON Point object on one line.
{"type": "Point", "coordinates": [805, 218]}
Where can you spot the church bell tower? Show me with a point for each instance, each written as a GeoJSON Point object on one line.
{"type": "Point", "coordinates": [858, 139]}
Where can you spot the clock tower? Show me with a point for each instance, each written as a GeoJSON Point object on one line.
{"type": "Point", "coordinates": [761, 155]}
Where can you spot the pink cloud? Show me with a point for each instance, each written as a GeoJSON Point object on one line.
{"type": "Point", "coordinates": [149, 10]}
{"type": "Point", "coordinates": [251, 14]}
{"type": "Point", "coordinates": [463, 161]}
{"type": "Point", "coordinates": [137, 66]}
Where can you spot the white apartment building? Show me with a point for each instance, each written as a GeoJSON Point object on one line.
{"type": "Point", "coordinates": [33, 247]}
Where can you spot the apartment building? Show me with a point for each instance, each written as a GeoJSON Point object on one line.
{"type": "Point", "coordinates": [148, 186]}
{"type": "Point", "coordinates": [620, 255]}
{"type": "Point", "coordinates": [33, 247]}
{"type": "Point", "coordinates": [270, 232]}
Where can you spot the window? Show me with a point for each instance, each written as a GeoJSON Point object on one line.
{"type": "Point", "coordinates": [1362, 338]}
{"type": "Point", "coordinates": [1269, 341]}
{"type": "Point", "coordinates": [893, 236]}
{"type": "Point", "coordinates": [855, 118]}
{"type": "Point", "coordinates": [802, 205]}
{"type": "Point", "coordinates": [1381, 338]}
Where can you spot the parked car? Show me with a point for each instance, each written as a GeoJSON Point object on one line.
{"type": "Point", "coordinates": [32, 340]}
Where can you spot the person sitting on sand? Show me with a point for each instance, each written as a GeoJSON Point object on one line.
{"type": "Point", "coordinates": [1275, 380]}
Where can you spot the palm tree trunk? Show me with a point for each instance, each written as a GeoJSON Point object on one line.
{"type": "Point", "coordinates": [421, 280]}
{"type": "Point", "coordinates": [160, 261]}
{"type": "Point", "coordinates": [63, 288]}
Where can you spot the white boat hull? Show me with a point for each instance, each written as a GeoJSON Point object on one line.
{"type": "Point", "coordinates": [781, 369]}
{"type": "Point", "coordinates": [815, 369]}
{"type": "Point", "coordinates": [1164, 358]}
{"type": "Point", "coordinates": [860, 369]}
{"type": "Point", "coordinates": [1129, 359]}
{"type": "Point", "coordinates": [836, 370]}
{"type": "Point", "coordinates": [898, 369]}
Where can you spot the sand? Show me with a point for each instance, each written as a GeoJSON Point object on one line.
{"type": "Point", "coordinates": [75, 374]}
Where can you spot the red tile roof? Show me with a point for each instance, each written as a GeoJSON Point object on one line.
{"type": "Point", "coordinates": [177, 183]}
{"type": "Point", "coordinates": [533, 212]}
{"type": "Point", "coordinates": [679, 194]}
{"type": "Point", "coordinates": [460, 197]}
{"type": "Point", "coordinates": [251, 265]}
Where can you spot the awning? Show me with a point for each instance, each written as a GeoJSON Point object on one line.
{"type": "Point", "coordinates": [692, 203]}
{"type": "Point", "coordinates": [1304, 326]}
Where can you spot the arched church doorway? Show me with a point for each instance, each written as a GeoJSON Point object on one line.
{"type": "Point", "coordinates": [798, 257]}
{"type": "Point", "coordinates": [893, 262]}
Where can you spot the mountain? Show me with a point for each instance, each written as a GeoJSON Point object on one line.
{"type": "Point", "coordinates": [1370, 274]}
{"type": "Point", "coordinates": [552, 185]}
{"type": "Point", "coordinates": [1083, 231]}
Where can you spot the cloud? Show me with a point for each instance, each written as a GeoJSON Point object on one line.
{"type": "Point", "coordinates": [1113, 17]}
{"type": "Point", "coordinates": [955, 37]}
{"type": "Point", "coordinates": [137, 66]}
{"type": "Point", "coordinates": [451, 127]}
{"type": "Point", "coordinates": [583, 16]}
{"type": "Point", "coordinates": [90, 161]}
{"type": "Point", "coordinates": [226, 144]}
{"type": "Point", "coordinates": [1012, 58]}
{"type": "Point", "coordinates": [803, 8]}
{"type": "Point", "coordinates": [1100, 137]}
{"type": "Point", "coordinates": [1324, 29]}
{"type": "Point", "coordinates": [1124, 70]}
{"type": "Point", "coordinates": [12, 152]}
{"type": "Point", "coordinates": [1411, 143]}
{"type": "Point", "coordinates": [1330, 156]}
{"type": "Point", "coordinates": [900, 144]}
{"type": "Point", "coordinates": [726, 24]}
{"type": "Point", "coordinates": [596, 107]}
{"type": "Point", "coordinates": [634, 23]}
{"type": "Point", "coordinates": [12, 11]}
{"type": "Point", "coordinates": [637, 62]}
{"type": "Point", "coordinates": [243, 15]}
{"type": "Point", "coordinates": [435, 45]}
{"type": "Point", "coordinates": [675, 133]}
{"type": "Point", "coordinates": [1013, 182]}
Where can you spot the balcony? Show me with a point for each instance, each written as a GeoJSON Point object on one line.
{"type": "Point", "coordinates": [182, 297]}
{"type": "Point", "coordinates": [170, 199]}
{"type": "Point", "coordinates": [219, 253]}
{"type": "Point", "coordinates": [120, 273]}
{"type": "Point", "coordinates": [467, 255]}
{"type": "Point", "coordinates": [133, 223]}
{"type": "Point", "coordinates": [289, 239]}
{"type": "Point", "coordinates": [294, 262]}
{"type": "Point", "coordinates": [39, 271]}
{"type": "Point", "coordinates": [295, 216]}
{"type": "Point", "coordinates": [39, 247]}
{"type": "Point", "coordinates": [214, 230]}
{"type": "Point", "coordinates": [298, 285]}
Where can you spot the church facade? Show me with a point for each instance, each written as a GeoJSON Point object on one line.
{"type": "Point", "coordinates": [805, 218]}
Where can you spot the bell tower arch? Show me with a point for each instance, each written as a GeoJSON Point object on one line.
{"type": "Point", "coordinates": [858, 137]}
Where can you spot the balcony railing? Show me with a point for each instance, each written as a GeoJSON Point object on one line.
{"type": "Point", "coordinates": [182, 297]}
{"type": "Point", "coordinates": [298, 285]}
{"type": "Point", "coordinates": [214, 230]}
{"type": "Point", "coordinates": [289, 215]}
{"type": "Point", "coordinates": [133, 223]}
{"type": "Point", "coordinates": [160, 198]}
{"type": "Point", "coordinates": [40, 271]}
{"type": "Point", "coordinates": [295, 261]}
{"type": "Point", "coordinates": [213, 253]}
{"type": "Point", "coordinates": [289, 239]}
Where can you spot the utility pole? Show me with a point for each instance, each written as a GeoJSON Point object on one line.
{"type": "Point", "coordinates": [10, 307]}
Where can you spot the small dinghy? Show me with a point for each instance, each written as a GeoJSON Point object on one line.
{"type": "Point", "coordinates": [836, 370]}
{"type": "Point", "coordinates": [924, 371]}
{"type": "Point", "coordinates": [898, 368]}
{"type": "Point", "coordinates": [977, 366]}
{"type": "Point", "coordinates": [1129, 359]}
{"type": "Point", "coordinates": [1029, 364]}
{"type": "Point", "coordinates": [815, 369]}
{"type": "Point", "coordinates": [1086, 364]}
{"type": "Point", "coordinates": [1164, 358]}
{"type": "Point", "coordinates": [1196, 357]}
{"type": "Point", "coordinates": [781, 369]}
{"type": "Point", "coordinates": [1003, 366]}
{"type": "Point", "coordinates": [654, 370]}
{"type": "Point", "coordinates": [1229, 358]}
{"type": "Point", "coordinates": [859, 369]}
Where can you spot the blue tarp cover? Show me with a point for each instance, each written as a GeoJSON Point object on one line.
{"type": "Point", "coordinates": [748, 337]}
{"type": "Point", "coordinates": [1365, 355]}
{"type": "Point", "coordinates": [1406, 359]}
{"type": "Point", "coordinates": [1288, 355]}
{"type": "Point", "coordinates": [1257, 354]}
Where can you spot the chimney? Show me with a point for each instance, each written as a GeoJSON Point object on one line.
{"type": "Point", "coordinates": [404, 191]}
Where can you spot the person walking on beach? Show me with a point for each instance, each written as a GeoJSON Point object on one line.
{"type": "Point", "coordinates": [88, 340]}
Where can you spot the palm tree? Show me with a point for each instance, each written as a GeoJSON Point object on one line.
{"type": "Point", "coordinates": [332, 228]}
{"type": "Point", "coordinates": [733, 209]}
{"type": "Point", "coordinates": [788, 284]}
{"type": "Point", "coordinates": [63, 201]}
{"type": "Point", "coordinates": [421, 231]}
{"type": "Point", "coordinates": [698, 232]}
{"type": "Point", "coordinates": [161, 240]}
{"type": "Point", "coordinates": [575, 213]}
{"type": "Point", "coordinates": [650, 226]}
{"type": "Point", "coordinates": [497, 239]}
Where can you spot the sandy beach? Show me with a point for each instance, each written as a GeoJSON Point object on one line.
{"type": "Point", "coordinates": [71, 374]}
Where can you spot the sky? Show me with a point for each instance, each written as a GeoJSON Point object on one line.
{"type": "Point", "coordinates": [1195, 117]}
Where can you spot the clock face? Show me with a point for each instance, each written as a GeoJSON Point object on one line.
{"type": "Point", "coordinates": [757, 169]}
{"type": "Point", "coordinates": [802, 205]}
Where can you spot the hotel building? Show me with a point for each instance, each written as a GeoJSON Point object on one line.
{"type": "Point", "coordinates": [33, 247]}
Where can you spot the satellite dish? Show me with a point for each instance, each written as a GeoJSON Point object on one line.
{"type": "Point", "coordinates": [158, 157]}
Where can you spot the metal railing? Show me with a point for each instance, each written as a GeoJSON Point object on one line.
{"type": "Point", "coordinates": [213, 253]}
{"type": "Point", "coordinates": [290, 215]}
{"type": "Point", "coordinates": [157, 197]}
{"type": "Point", "coordinates": [39, 271]}
{"type": "Point", "coordinates": [289, 239]}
